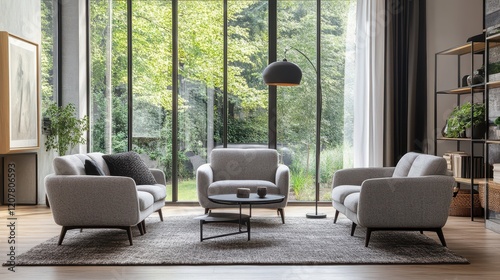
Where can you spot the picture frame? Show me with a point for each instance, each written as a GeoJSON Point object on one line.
{"type": "Point", "coordinates": [19, 94]}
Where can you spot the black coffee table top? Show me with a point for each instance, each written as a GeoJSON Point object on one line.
{"type": "Point", "coordinates": [253, 199]}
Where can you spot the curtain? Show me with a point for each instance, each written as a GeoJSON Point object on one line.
{"type": "Point", "coordinates": [406, 82]}
{"type": "Point", "coordinates": [368, 129]}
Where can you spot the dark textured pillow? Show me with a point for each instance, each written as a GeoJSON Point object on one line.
{"type": "Point", "coordinates": [129, 164]}
{"type": "Point", "coordinates": [91, 168]}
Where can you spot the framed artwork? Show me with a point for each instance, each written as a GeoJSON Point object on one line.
{"type": "Point", "coordinates": [19, 94]}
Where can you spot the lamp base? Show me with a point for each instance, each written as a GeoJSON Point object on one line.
{"type": "Point", "coordinates": [315, 215]}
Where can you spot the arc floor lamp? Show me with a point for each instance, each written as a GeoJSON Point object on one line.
{"type": "Point", "coordinates": [284, 73]}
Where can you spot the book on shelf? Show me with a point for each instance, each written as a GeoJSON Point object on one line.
{"type": "Point", "coordinates": [464, 166]}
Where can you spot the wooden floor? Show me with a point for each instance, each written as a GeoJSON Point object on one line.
{"type": "Point", "coordinates": [34, 225]}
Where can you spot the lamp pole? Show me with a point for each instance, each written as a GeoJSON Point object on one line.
{"type": "Point", "coordinates": [319, 108]}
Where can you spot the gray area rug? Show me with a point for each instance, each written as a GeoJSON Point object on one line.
{"type": "Point", "coordinates": [300, 241]}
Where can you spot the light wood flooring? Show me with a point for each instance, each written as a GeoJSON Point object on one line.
{"type": "Point", "coordinates": [469, 239]}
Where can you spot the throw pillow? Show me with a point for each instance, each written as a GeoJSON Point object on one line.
{"type": "Point", "coordinates": [91, 168]}
{"type": "Point", "coordinates": [129, 164]}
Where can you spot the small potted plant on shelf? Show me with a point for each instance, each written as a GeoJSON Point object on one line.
{"type": "Point", "coordinates": [459, 123]}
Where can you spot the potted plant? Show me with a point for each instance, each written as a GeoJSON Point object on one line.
{"type": "Point", "coordinates": [460, 123]}
{"type": "Point", "coordinates": [497, 122]}
{"type": "Point", "coordinates": [65, 129]}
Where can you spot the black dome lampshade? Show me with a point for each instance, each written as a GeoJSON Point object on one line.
{"type": "Point", "coordinates": [282, 73]}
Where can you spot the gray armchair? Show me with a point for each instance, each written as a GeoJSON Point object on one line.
{"type": "Point", "coordinates": [414, 195]}
{"type": "Point", "coordinates": [231, 169]}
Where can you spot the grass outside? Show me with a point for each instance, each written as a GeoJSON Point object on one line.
{"type": "Point", "coordinates": [187, 191]}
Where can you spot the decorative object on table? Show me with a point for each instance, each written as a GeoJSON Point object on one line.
{"type": "Point", "coordinates": [19, 97]}
{"type": "Point", "coordinates": [285, 73]}
{"type": "Point", "coordinates": [460, 120]}
{"type": "Point", "coordinates": [66, 130]}
{"type": "Point", "coordinates": [243, 193]}
{"type": "Point", "coordinates": [261, 192]}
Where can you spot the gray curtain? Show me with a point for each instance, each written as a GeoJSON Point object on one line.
{"type": "Point", "coordinates": [405, 82]}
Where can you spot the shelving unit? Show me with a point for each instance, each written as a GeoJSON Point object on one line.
{"type": "Point", "coordinates": [491, 189]}
{"type": "Point", "coordinates": [460, 52]}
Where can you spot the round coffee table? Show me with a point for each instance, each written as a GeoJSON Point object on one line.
{"type": "Point", "coordinates": [240, 219]}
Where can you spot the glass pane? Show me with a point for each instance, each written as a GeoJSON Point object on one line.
{"type": "Point", "coordinates": [200, 88]}
{"type": "Point", "coordinates": [108, 81]}
{"type": "Point", "coordinates": [247, 58]}
{"type": "Point", "coordinates": [152, 84]}
{"type": "Point", "coordinates": [48, 63]}
{"type": "Point", "coordinates": [297, 105]}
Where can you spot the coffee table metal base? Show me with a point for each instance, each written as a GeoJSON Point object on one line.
{"type": "Point", "coordinates": [240, 219]}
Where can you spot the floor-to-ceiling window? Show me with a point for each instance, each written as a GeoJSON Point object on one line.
{"type": "Point", "coordinates": [213, 86]}
{"type": "Point", "coordinates": [49, 77]}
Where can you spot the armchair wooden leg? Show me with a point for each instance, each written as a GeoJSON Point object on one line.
{"type": "Point", "coordinates": [206, 210]}
{"type": "Point", "coordinates": [353, 228]}
{"type": "Point", "coordinates": [160, 214]}
{"type": "Point", "coordinates": [61, 236]}
{"type": "Point", "coordinates": [336, 216]}
{"type": "Point", "coordinates": [282, 214]}
{"type": "Point", "coordinates": [129, 233]}
{"type": "Point", "coordinates": [441, 236]}
{"type": "Point", "coordinates": [368, 234]}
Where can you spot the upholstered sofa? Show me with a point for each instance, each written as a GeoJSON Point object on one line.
{"type": "Point", "coordinates": [79, 200]}
{"type": "Point", "coordinates": [231, 168]}
{"type": "Point", "coordinates": [414, 195]}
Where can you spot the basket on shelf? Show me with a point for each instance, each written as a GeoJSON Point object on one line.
{"type": "Point", "coordinates": [493, 197]}
{"type": "Point", "coordinates": [460, 205]}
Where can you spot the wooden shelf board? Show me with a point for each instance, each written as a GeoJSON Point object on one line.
{"type": "Point", "coordinates": [495, 84]}
{"type": "Point", "coordinates": [463, 90]}
{"type": "Point", "coordinates": [465, 49]}
{"type": "Point", "coordinates": [453, 139]}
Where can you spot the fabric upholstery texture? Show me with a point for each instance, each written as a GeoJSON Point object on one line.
{"type": "Point", "coordinates": [129, 164]}
{"type": "Point", "coordinates": [417, 195]}
{"type": "Point", "coordinates": [77, 199]}
{"type": "Point", "coordinates": [232, 168]}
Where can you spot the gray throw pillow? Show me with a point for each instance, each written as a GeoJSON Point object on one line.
{"type": "Point", "coordinates": [129, 164]}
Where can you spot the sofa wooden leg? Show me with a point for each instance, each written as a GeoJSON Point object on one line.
{"type": "Point", "coordinates": [129, 233]}
{"type": "Point", "coordinates": [282, 214]}
{"type": "Point", "coordinates": [441, 236]}
{"type": "Point", "coordinates": [206, 210]}
{"type": "Point", "coordinates": [336, 216]}
{"type": "Point", "coordinates": [61, 236]}
{"type": "Point", "coordinates": [353, 228]}
{"type": "Point", "coordinates": [144, 225]}
{"type": "Point", "coordinates": [160, 214]}
{"type": "Point", "coordinates": [368, 234]}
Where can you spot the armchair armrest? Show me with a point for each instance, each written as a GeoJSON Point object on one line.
{"type": "Point", "coordinates": [282, 179]}
{"type": "Point", "coordinates": [204, 177]}
{"type": "Point", "coordinates": [92, 200]}
{"type": "Point", "coordinates": [356, 176]}
{"type": "Point", "coordinates": [159, 176]}
{"type": "Point", "coordinates": [409, 202]}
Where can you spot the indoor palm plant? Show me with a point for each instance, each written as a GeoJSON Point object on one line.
{"type": "Point", "coordinates": [66, 130]}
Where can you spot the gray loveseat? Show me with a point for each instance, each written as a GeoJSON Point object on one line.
{"type": "Point", "coordinates": [79, 201]}
{"type": "Point", "coordinates": [414, 195]}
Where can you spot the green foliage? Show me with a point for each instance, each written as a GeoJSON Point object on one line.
{"type": "Point", "coordinates": [497, 121]}
{"type": "Point", "coordinates": [66, 129]}
{"type": "Point", "coordinates": [460, 118]}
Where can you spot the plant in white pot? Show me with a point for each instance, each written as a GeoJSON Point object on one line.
{"type": "Point", "coordinates": [66, 130]}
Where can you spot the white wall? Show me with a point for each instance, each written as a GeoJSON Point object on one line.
{"type": "Point", "coordinates": [23, 18]}
{"type": "Point", "coordinates": [449, 24]}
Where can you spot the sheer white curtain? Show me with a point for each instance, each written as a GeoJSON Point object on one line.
{"type": "Point", "coordinates": [369, 87]}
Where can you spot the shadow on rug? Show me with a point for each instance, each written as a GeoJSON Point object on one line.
{"type": "Point", "coordinates": [176, 241]}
